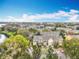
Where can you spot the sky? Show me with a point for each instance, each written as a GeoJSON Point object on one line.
{"type": "Point", "coordinates": [39, 10]}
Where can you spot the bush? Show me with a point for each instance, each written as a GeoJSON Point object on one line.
{"type": "Point", "coordinates": [15, 47]}
{"type": "Point", "coordinates": [71, 48]}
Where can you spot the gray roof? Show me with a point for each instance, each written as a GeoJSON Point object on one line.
{"type": "Point", "coordinates": [45, 36]}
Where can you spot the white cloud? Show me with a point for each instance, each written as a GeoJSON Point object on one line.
{"type": "Point", "coordinates": [71, 16]}
{"type": "Point", "coordinates": [74, 16]}
{"type": "Point", "coordinates": [74, 11]}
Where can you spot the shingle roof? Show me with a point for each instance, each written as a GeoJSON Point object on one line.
{"type": "Point", "coordinates": [45, 36]}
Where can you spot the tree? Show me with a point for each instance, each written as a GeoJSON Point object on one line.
{"type": "Point", "coordinates": [45, 30]}
{"type": "Point", "coordinates": [15, 47]}
{"type": "Point", "coordinates": [23, 32]}
{"type": "Point", "coordinates": [50, 54]}
{"type": "Point", "coordinates": [62, 33]}
{"type": "Point", "coordinates": [60, 25]}
{"type": "Point", "coordinates": [36, 51]}
{"type": "Point", "coordinates": [32, 30]}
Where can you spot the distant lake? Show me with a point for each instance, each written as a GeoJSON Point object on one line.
{"type": "Point", "coordinates": [2, 25]}
{"type": "Point", "coordinates": [2, 38]}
